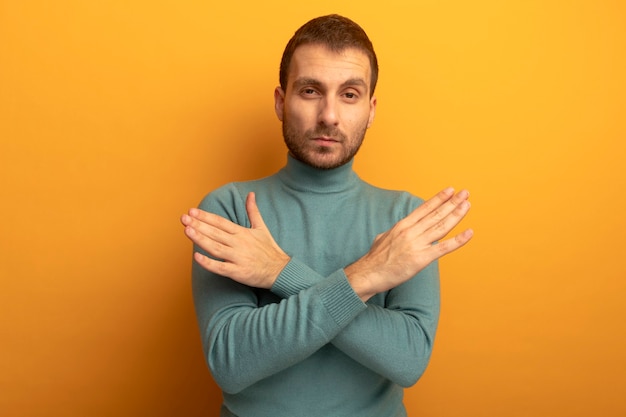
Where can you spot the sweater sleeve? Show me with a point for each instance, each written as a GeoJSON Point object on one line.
{"type": "Point", "coordinates": [244, 343]}
{"type": "Point", "coordinates": [396, 339]}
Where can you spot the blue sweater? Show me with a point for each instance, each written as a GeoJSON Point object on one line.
{"type": "Point", "coordinates": [309, 346]}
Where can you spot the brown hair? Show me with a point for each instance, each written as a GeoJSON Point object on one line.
{"type": "Point", "coordinates": [335, 32]}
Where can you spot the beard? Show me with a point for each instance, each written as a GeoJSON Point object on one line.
{"type": "Point", "coordinates": [302, 147]}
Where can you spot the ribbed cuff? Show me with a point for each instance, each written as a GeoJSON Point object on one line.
{"type": "Point", "coordinates": [295, 277]}
{"type": "Point", "coordinates": [340, 300]}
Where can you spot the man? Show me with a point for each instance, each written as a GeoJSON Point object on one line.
{"type": "Point", "coordinates": [300, 313]}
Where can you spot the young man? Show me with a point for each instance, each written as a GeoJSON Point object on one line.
{"type": "Point", "coordinates": [300, 313]}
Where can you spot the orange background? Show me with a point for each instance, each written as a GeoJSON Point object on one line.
{"type": "Point", "coordinates": [117, 116]}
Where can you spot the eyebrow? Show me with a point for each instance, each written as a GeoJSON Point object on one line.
{"type": "Point", "coordinates": [304, 81]}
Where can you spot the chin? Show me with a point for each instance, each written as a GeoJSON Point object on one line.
{"type": "Point", "coordinates": [325, 161]}
{"type": "Point", "coordinates": [319, 157]}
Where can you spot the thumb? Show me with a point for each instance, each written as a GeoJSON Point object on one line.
{"type": "Point", "coordinates": [256, 221]}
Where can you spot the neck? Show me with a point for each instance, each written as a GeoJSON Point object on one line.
{"type": "Point", "coordinates": [301, 176]}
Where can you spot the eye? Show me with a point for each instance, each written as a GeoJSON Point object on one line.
{"type": "Point", "coordinates": [308, 92]}
{"type": "Point", "coordinates": [351, 96]}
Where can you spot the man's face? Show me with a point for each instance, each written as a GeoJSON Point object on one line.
{"type": "Point", "coordinates": [326, 107]}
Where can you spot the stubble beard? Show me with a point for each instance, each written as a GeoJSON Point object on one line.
{"type": "Point", "coordinates": [302, 148]}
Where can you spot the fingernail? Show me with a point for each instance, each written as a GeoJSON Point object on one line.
{"type": "Point", "coordinates": [462, 195]}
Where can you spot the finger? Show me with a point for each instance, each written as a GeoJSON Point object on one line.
{"type": "Point", "coordinates": [445, 225]}
{"type": "Point", "coordinates": [256, 221]}
{"type": "Point", "coordinates": [212, 265]}
{"type": "Point", "coordinates": [198, 229]}
{"type": "Point", "coordinates": [445, 247]}
{"type": "Point", "coordinates": [445, 209]}
{"type": "Point", "coordinates": [209, 245]}
{"type": "Point", "coordinates": [450, 245]}
{"type": "Point", "coordinates": [213, 220]}
{"type": "Point", "coordinates": [429, 206]}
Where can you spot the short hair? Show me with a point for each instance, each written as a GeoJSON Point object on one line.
{"type": "Point", "coordinates": [335, 32]}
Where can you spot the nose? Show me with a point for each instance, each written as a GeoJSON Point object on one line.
{"type": "Point", "coordinates": [328, 113]}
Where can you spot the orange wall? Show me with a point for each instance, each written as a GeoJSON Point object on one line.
{"type": "Point", "coordinates": [117, 116]}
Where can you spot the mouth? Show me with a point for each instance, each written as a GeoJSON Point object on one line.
{"type": "Point", "coordinates": [325, 140]}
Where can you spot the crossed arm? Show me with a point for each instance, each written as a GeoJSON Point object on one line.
{"type": "Point", "coordinates": [251, 257]}
{"type": "Point", "coordinates": [404, 328]}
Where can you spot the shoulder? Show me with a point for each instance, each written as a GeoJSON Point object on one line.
{"type": "Point", "coordinates": [229, 200]}
{"type": "Point", "coordinates": [225, 195]}
{"type": "Point", "coordinates": [398, 201]}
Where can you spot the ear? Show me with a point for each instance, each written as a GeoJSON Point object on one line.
{"type": "Point", "coordinates": [372, 111]}
{"type": "Point", "coordinates": [279, 102]}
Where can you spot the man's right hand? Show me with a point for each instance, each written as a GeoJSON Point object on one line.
{"type": "Point", "coordinates": [248, 255]}
{"type": "Point", "coordinates": [409, 246]}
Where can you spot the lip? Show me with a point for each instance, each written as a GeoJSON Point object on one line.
{"type": "Point", "coordinates": [325, 140]}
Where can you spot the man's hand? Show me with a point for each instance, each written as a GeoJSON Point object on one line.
{"type": "Point", "coordinates": [409, 246]}
{"type": "Point", "coordinates": [250, 255]}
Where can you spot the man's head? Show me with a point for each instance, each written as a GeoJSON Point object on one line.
{"type": "Point", "coordinates": [336, 33]}
{"type": "Point", "coordinates": [325, 99]}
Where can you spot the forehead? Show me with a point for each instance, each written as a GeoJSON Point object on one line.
{"type": "Point", "coordinates": [315, 61]}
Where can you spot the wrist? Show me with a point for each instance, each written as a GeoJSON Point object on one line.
{"type": "Point", "coordinates": [276, 270]}
{"type": "Point", "coordinates": [360, 279]}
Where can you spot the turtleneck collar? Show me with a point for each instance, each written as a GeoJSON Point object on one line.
{"type": "Point", "coordinates": [303, 177]}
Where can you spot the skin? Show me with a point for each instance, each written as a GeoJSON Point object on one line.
{"type": "Point", "coordinates": [326, 108]}
{"type": "Point", "coordinates": [325, 111]}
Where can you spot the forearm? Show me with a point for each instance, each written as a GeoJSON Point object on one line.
{"type": "Point", "coordinates": [395, 339]}
{"type": "Point", "coordinates": [245, 343]}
